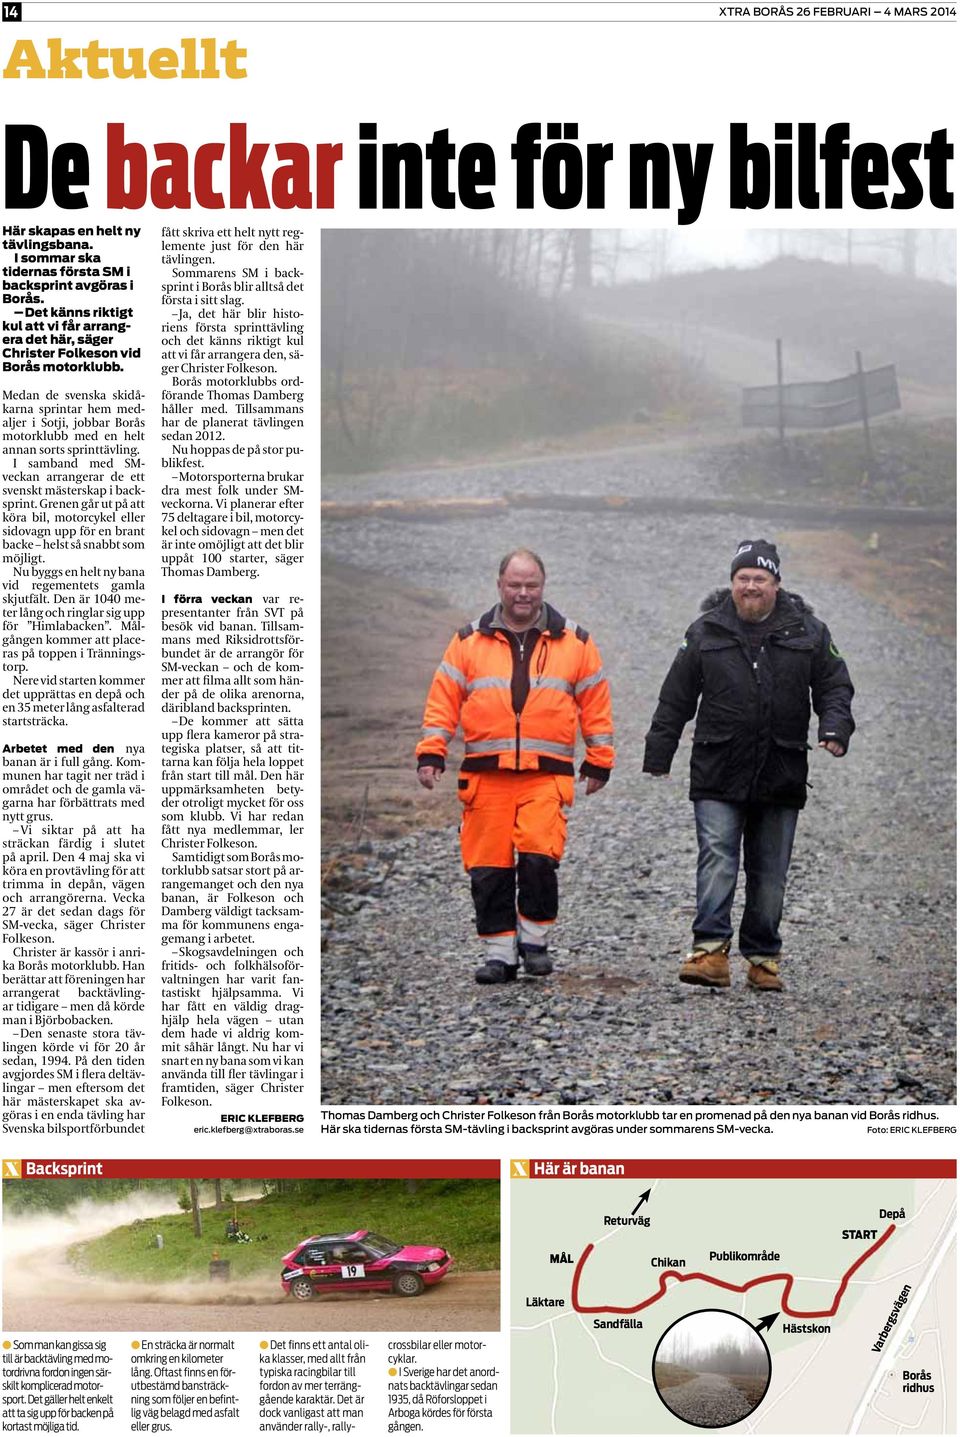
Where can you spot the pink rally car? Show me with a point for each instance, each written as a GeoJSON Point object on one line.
{"type": "Point", "coordinates": [361, 1261]}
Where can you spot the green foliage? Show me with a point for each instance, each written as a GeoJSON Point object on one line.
{"type": "Point", "coordinates": [461, 1215]}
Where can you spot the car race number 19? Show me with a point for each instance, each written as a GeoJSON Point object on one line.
{"type": "Point", "coordinates": [352, 1269]}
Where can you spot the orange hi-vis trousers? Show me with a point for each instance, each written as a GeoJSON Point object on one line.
{"type": "Point", "coordinates": [512, 837]}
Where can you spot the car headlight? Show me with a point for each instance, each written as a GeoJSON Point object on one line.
{"type": "Point", "coordinates": [432, 1266]}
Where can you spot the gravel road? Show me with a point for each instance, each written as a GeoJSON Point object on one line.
{"type": "Point", "coordinates": [708, 1401]}
{"type": "Point", "coordinates": [867, 1016]}
{"type": "Point", "coordinates": [464, 1302]}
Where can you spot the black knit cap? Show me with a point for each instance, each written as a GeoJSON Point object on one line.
{"type": "Point", "coordinates": [756, 554]}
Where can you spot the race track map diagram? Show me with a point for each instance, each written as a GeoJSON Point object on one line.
{"type": "Point", "coordinates": [763, 1297]}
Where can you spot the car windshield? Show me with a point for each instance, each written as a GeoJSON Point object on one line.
{"type": "Point", "coordinates": [382, 1246]}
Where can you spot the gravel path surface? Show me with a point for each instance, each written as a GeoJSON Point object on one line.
{"type": "Point", "coordinates": [708, 1401]}
{"type": "Point", "coordinates": [867, 1016]}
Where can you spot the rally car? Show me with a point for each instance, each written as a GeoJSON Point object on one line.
{"type": "Point", "coordinates": [361, 1261]}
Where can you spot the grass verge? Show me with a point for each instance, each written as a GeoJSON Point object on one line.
{"type": "Point", "coordinates": [913, 463]}
{"type": "Point", "coordinates": [752, 1388]}
{"type": "Point", "coordinates": [669, 1374]}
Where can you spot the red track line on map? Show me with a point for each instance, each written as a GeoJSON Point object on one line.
{"type": "Point", "coordinates": [785, 1277]}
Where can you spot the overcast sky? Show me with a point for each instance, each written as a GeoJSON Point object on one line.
{"type": "Point", "coordinates": [706, 1330]}
{"type": "Point", "coordinates": [704, 245]}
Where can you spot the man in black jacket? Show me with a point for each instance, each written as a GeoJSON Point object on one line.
{"type": "Point", "coordinates": [753, 661]}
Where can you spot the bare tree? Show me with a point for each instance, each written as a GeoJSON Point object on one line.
{"type": "Point", "coordinates": [582, 241]}
{"type": "Point", "coordinates": [195, 1208]}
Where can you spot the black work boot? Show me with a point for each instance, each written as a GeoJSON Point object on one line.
{"type": "Point", "coordinates": [493, 971]}
{"type": "Point", "coordinates": [537, 962]}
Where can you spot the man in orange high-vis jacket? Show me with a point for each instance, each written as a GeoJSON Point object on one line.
{"type": "Point", "coordinates": [516, 681]}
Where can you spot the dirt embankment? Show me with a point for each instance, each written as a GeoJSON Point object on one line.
{"type": "Point", "coordinates": [465, 1302]}
{"type": "Point", "coordinates": [911, 571]}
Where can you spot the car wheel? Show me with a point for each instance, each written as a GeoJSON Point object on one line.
{"type": "Point", "coordinates": [408, 1284]}
{"type": "Point", "coordinates": [302, 1289]}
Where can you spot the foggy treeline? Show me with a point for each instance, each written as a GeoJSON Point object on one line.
{"type": "Point", "coordinates": [626, 256]}
{"type": "Point", "coordinates": [441, 344]}
{"type": "Point", "coordinates": [440, 296]}
{"type": "Point", "coordinates": [447, 342]}
{"type": "Point", "coordinates": [39, 1195]}
{"type": "Point", "coordinates": [57, 1195]}
{"type": "Point", "coordinates": [427, 298]}
{"type": "Point", "coordinates": [916, 253]}
{"type": "Point", "coordinates": [728, 1355]}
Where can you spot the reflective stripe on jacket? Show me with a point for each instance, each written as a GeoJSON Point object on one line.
{"type": "Point", "coordinates": [474, 688]}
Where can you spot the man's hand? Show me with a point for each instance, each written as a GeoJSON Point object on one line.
{"type": "Point", "coordinates": [428, 775]}
{"type": "Point", "coordinates": [831, 745]}
{"type": "Point", "coordinates": [593, 784]}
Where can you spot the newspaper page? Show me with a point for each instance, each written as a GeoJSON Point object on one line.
{"type": "Point", "coordinates": [522, 407]}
